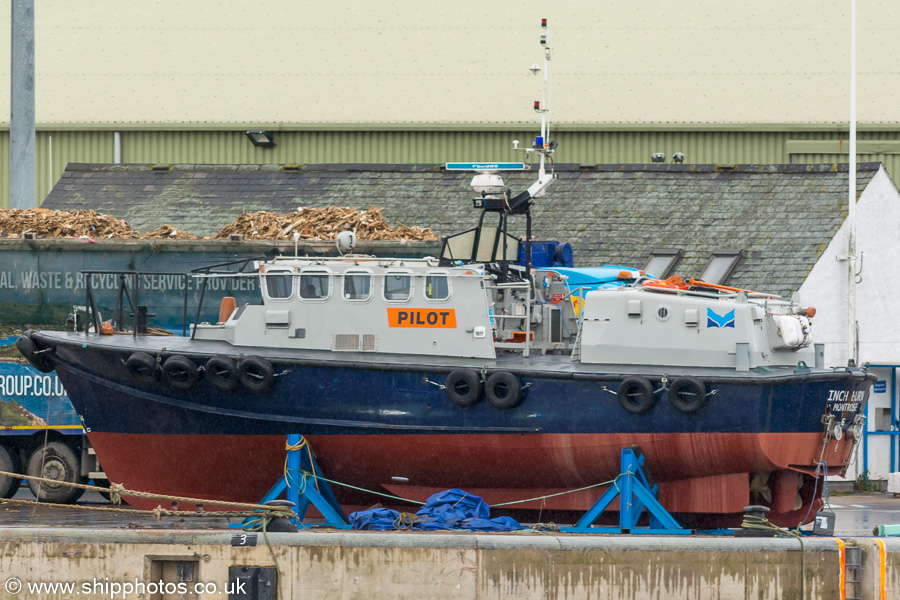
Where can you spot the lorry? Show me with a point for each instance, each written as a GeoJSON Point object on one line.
{"type": "Point", "coordinates": [40, 433]}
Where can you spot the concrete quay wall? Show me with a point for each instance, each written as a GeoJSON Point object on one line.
{"type": "Point", "coordinates": [391, 566]}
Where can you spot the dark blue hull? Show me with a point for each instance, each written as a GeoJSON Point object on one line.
{"type": "Point", "coordinates": [396, 419]}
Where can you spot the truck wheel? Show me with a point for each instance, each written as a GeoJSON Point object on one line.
{"type": "Point", "coordinates": [8, 485]}
{"type": "Point", "coordinates": [55, 461]}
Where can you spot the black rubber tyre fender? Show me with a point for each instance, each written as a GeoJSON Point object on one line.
{"type": "Point", "coordinates": [54, 461]}
{"type": "Point", "coordinates": [503, 390]}
{"type": "Point", "coordinates": [29, 350]}
{"type": "Point", "coordinates": [687, 394]}
{"type": "Point", "coordinates": [222, 372]}
{"type": "Point", "coordinates": [636, 395]}
{"type": "Point", "coordinates": [256, 373]}
{"type": "Point", "coordinates": [180, 372]}
{"type": "Point", "coordinates": [143, 368]}
{"type": "Point", "coordinates": [463, 387]}
{"type": "Point", "coordinates": [9, 485]}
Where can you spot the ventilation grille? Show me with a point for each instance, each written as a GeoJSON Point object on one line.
{"type": "Point", "coordinates": [368, 342]}
{"type": "Point", "coordinates": [346, 341]}
{"type": "Point", "coordinates": [350, 342]}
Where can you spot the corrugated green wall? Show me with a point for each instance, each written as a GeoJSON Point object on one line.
{"type": "Point", "coordinates": [56, 149]}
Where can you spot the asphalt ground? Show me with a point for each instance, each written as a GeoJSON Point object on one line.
{"type": "Point", "coordinates": [855, 515]}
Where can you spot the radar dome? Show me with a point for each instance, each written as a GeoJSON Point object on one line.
{"type": "Point", "coordinates": [345, 241]}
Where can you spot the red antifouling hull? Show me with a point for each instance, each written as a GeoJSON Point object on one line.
{"type": "Point", "coordinates": [697, 473]}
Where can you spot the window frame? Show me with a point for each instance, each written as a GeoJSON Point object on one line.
{"type": "Point", "coordinates": [278, 272]}
{"type": "Point", "coordinates": [315, 271]}
{"type": "Point", "coordinates": [673, 254]}
{"type": "Point", "coordinates": [358, 271]}
{"type": "Point", "coordinates": [412, 285]}
{"type": "Point", "coordinates": [437, 273]}
{"type": "Point", "coordinates": [734, 257]}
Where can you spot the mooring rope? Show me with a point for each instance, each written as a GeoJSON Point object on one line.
{"type": "Point", "coordinates": [158, 512]}
{"type": "Point", "coordinates": [762, 523]}
{"type": "Point", "coordinates": [117, 490]}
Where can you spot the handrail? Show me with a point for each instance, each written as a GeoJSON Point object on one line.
{"type": "Point", "coordinates": [123, 294]}
{"type": "Point", "coordinates": [240, 261]}
{"type": "Point", "coordinates": [512, 285]}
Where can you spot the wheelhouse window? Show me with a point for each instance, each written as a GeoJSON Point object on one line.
{"type": "Point", "coordinates": [315, 286]}
{"type": "Point", "coordinates": [279, 285]}
{"type": "Point", "coordinates": [397, 286]}
{"type": "Point", "coordinates": [721, 266]}
{"type": "Point", "coordinates": [437, 287]}
{"type": "Point", "coordinates": [357, 286]}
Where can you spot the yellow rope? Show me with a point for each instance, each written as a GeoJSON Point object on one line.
{"type": "Point", "coordinates": [158, 512]}
{"type": "Point", "coordinates": [407, 520]}
{"type": "Point", "coordinates": [295, 448]}
{"type": "Point", "coordinates": [762, 523]}
{"type": "Point", "coordinates": [121, 490]}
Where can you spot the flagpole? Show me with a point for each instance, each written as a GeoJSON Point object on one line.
{"type": "Point", "coordinates": [853, 334]}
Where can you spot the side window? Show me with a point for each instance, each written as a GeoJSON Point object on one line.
{"type": "Point", "coordinates": [314, 286]}
{"type": "Point", "coordinates": [279, 286]}
{"type": "Point", "coordinates": [357, 286]}
{"type": "Point", "coordinates": [437, 287]}
{"type": "Point", "coordinates": [397, 286]}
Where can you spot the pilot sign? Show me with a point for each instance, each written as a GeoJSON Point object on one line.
{"type": "Point", "coordinates": [442, 318]}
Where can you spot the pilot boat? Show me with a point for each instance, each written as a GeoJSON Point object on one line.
{"type": "Point", "coordinates": [468, 370]}
{"type": "Point", "coordinates": [411, 376]}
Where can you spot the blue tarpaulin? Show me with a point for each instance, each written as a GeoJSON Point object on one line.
{"type": "Point", "coordinates": [451, 509]}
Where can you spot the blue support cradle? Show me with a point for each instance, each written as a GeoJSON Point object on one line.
{"type": "Point", "coordinates": [636, 492]}
{"type": "Point", "coordinates": [302, 485]}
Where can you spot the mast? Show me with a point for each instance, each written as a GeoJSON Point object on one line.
{"type": "Point", "coordinates": [852, 333]}
{"type": "Point", "coordinates": [545, 93]}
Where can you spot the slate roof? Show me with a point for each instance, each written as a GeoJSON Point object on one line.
{"type": "Point", "coordinates": [781, 216]}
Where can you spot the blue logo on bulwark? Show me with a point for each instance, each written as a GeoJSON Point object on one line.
{"type": "Point", "coordinates": [713, 319]}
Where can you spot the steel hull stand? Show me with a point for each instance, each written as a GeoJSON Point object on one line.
{"type": "Point", "coordinates": [303, 485]}
{"type": "Point", "coordinates": [636, 491]}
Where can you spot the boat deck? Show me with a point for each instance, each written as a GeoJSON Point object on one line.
{"type": "Point", "coordinates": [552, 365]}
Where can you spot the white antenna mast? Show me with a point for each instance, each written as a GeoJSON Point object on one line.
{"type": "Point", "coordinates": [542, 144]}
{"type": "Point", "coordinates": [545, 100]}
{"type": "Point", "coordinates": [852, 334]}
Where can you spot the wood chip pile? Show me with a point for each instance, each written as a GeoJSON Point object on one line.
{"type": "Point", "coordinates": [45, 223]}
{"type": "Point", "coordinates": [167, 232]}
{"type": "Point", "coordinates": [322, 224]}
{"type": "Point", "coordinates": [310, 223]}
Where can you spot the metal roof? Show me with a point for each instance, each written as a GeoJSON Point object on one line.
{"type": "Point", "coordinates": [781, 216]}
{"type": "Point", "coordinates": [404, 63]}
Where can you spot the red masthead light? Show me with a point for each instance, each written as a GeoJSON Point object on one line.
{"type": "Point", "coordinates": [544, 23]}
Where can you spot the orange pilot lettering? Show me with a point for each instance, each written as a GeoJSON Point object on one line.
{"type": "Point", "coordinates": [422, 317]}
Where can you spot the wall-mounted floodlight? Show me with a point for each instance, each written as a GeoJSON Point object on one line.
{"type": "Point", "coordinates": [262, 139]}
{"type": "Point", "coordinates": [678, 157]}
{"type": "Point", "coordinates": [658, 157]}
